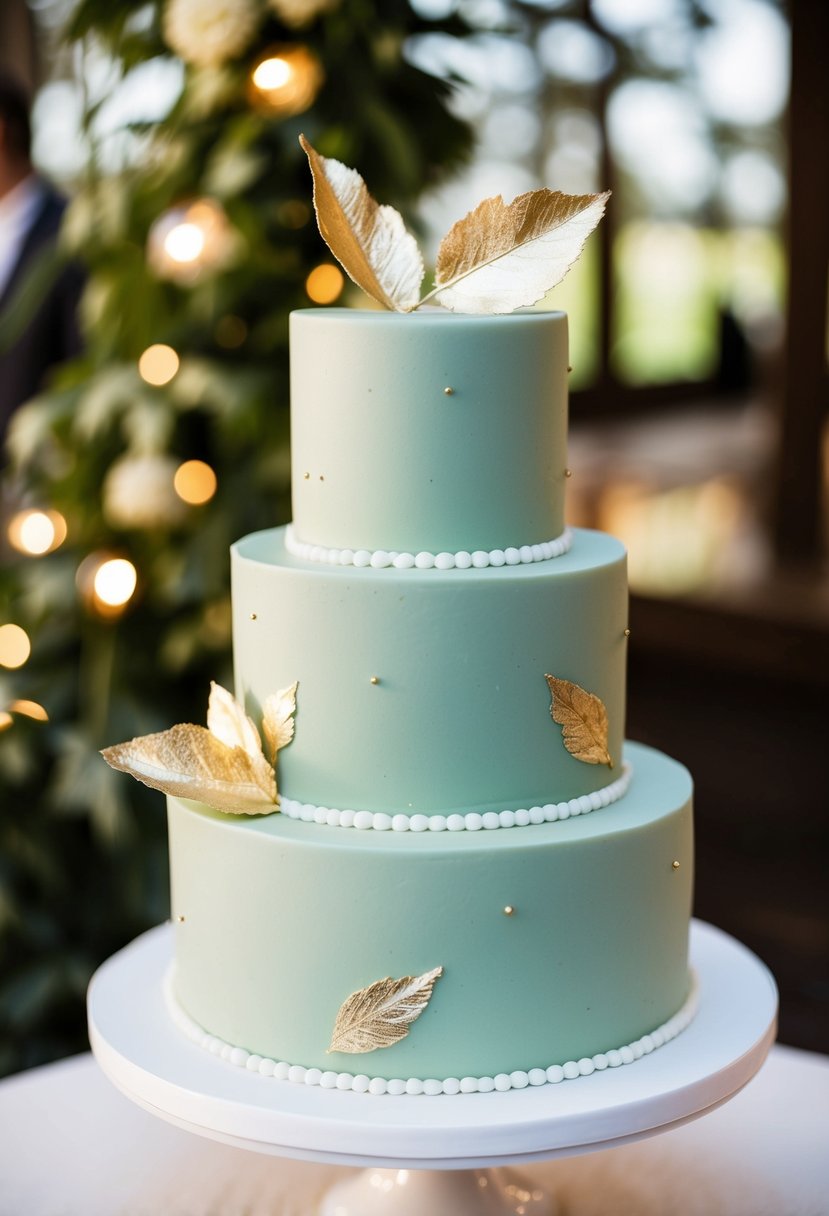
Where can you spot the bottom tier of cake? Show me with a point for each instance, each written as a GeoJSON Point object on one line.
{"type": "Point", "coordinates": [557, 941]}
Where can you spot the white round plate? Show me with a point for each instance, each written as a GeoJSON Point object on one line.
{"type": "Point", "coordinates": [148, 1058]}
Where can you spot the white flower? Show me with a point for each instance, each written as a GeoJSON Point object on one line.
{"type": "Point", "coordinates": [209, 32]}
{"type": "Point", "coordinates": [296, 13]}
{"type": "Point", "coordinates": [138, 493]}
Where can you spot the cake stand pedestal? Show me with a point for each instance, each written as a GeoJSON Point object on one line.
{"type": "Point", "coordinates": [432, 1154]}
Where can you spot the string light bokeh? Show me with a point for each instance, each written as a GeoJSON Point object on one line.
{"type": "Point", "coordinates": [325, 283]}
{"type": "Point", "coordinates": [106, 584]}
{"type": "Point", "coordinates": [158, 364]}
{"type": "Point", "coordinates": [195, 482]}
{"type": "Point", "coordinates": [15, 646]}
{"type": "Point", "coordinates": [35, 532]}
{"type": "Point", "coordinates": [115, 582]}
{"type": "Point", "coordinates": [189, 240]}
{"type": "Point", "coordinates": [29, 709]}
{"type": "Point", "coordinates": [286, 80]}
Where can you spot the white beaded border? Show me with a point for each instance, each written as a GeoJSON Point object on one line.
{"type": "Point", "coordinates": [362, 1083]}
{"type": "Point", "coordinates": [379, 821]}
{"type": "Point", "coordinates": [381, 559]}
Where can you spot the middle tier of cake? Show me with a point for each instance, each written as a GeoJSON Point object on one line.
{"type": "Point", "coordinates": [424, 692]}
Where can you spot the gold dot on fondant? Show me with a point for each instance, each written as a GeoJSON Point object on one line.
{"type": "Point", "coordinates": [674, 865]}
{"type": "Point", "coordinates": [253, 616]}
{"type": "Point", "coordinates": [321, 477]}
{"type": "Point", "coordinates": [627, 633]}
{"type": "Point", "coordinates": [570, 368]}
{"type": "Point", "coordinates": [509, 910]}
{"type": "Point", "coordinates": [448, 391]}
{"type": "Point", "coordinates": [180, 919]}
{"type": "Point", "coordinates": [568, 472]}
{"type": "Point", "coordinates": [307, 476]}
{"type": "Point", "coordinates": [374, 680]}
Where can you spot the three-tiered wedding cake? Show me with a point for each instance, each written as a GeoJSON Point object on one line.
{"type": "Point", "coordinates": [458, 810]}
{"type": "Point", "coordinates": [471, 884]}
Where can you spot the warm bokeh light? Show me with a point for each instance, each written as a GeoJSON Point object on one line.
{"type": "Point", "coordinates": [286, 80]}
{"type": "Point", "coordinates": [195, 482]}
{"type": "Point", "coordinates": [184, 243]}
{"type": "Point", "coordinates": [190, 239]}
{"type": "Point", "coordinates": [325, 283]}
{"type": "Point", "coordinates": [5, 720]}
{"type": "Point", "coordinates": [30, 709]}
{"type": "Point", "coordinates": [37, 532]}
{"type": "Point", "coordinates": [15, 646]}
{"type": "Point", "coordinates": [271, 74]}
{"type": "Point", "coordinates": [114, 582]}
{"type": "Point", "coordinates": [158, 364]}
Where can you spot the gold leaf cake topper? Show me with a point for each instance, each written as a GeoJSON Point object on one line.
{"type": "Point", "coordinates": [380, 1015]}
{"type": "Point", "coordinates": [497, 258]}
{"type": "Point", "coordinates": [583, 717]}
{"type": "Point", "coordinates": [222, 766]}
{"type": "Point", "coordinates": [369, 241]}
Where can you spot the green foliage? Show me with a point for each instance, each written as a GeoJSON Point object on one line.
{"type": "Point", "coordinates": [82, 849]}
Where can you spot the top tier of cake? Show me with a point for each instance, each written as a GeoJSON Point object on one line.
{"type": "Point", "coordinates": [428, 432]}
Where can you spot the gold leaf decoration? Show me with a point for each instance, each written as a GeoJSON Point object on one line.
{"type": "Point", "coordinates": [223, 766]}
{"type": "Point", "coordinates": [190, 762]}
{"type": "Point", "coordinates": [277, 719]}
{"type": "Point", "coordinates": [369, 241]}
{"type": "Point", "coordinates": [380, 1015]}
{"type": "Point", "coordinates": [498, 258]}
{"type": "Point", "coordinates": [227, 720]}
{"type": "Point", "coordinates": [501, 257]}
{"type": "Point", "coordinates": [583, 717]}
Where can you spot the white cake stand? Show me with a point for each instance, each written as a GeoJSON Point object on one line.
{"type": "Point", "coordinates": [427, 1154]}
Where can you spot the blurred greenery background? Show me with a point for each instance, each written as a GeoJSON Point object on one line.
{"type": "Point", "coordinates": [134, 470]}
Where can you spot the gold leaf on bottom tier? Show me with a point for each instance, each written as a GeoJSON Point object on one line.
{"type": "Point", "coordinates": [583, 717]}
{"type": "Point", "coordinates": [380, 1015]}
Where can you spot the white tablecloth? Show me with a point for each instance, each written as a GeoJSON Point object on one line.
{"type": "Point", "coordinates": [72, 1145]}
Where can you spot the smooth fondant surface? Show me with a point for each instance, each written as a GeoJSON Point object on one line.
{"type": "Point", "coordinates": [284, 920]}
{"type": "Point", "coordinates": [459, 718]}
{"type": "Point", "coordinates": [383, 458]}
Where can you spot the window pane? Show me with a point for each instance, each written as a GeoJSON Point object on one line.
{"type": "Point", "coordinates": [666, 304]}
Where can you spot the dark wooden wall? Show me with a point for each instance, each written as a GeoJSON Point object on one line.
{"type": "Point", "coordinates": [743, 700]}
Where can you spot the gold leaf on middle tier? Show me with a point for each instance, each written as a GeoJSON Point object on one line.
{"type": "Point", "coordinates": [583, 718]}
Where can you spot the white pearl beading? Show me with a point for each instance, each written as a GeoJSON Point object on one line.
{"type": "Point", "coordinates": [383, 559]}
{"type": "Point", "coordinates": [361, 1083]}
{"type": "Point", "coordinates": [379, 821]}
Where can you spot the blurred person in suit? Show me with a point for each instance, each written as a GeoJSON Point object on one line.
{"type": "Point", "coordinates": [30, 218]}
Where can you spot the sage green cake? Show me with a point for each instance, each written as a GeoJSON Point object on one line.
{"type": "Point", "coordinates": [459, 813]}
